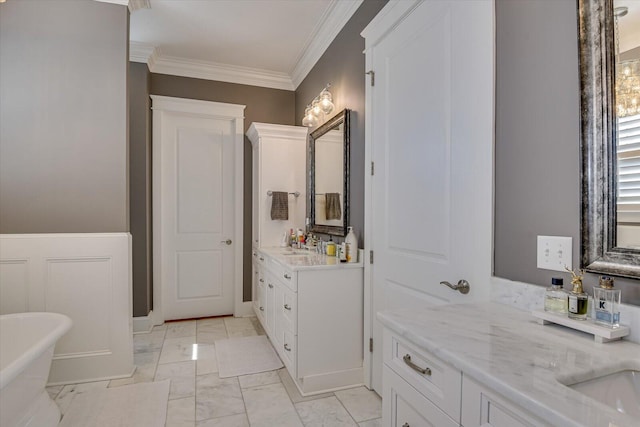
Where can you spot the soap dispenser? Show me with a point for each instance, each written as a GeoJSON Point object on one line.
{"type": "Point", "coordinates": [578, 301]}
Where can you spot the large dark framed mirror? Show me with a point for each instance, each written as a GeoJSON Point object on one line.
{"type": "Point", "coordinates": [608, 225]}
{"type": "Point", "coordinates": [328, 180]}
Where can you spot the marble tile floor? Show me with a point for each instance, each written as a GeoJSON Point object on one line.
{"type": "Point", "coordinates": [184, 353]}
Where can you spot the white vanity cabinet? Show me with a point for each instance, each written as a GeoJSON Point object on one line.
{"type": "Point", "coordinates": [311, 307]}
{"type": "Point", "coordinates": [419, 389]}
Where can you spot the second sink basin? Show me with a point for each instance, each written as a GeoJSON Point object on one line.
{"type": "Point", "coordinates": [619, 390]}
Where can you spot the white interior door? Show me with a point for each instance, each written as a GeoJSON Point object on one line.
{"type": "Point", "coordinates": [197, 213]}
{"type": "Point", "coordinates": [431, 121]}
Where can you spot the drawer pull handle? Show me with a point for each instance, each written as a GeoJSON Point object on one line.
{"type": "Point", "coordinates": [270, 286]}
{"type": "Point", "coordinates": [423, 371]}
{"type": "Point", "coordinates": [261, 280]}
{"type": "Point", "coordinates": [261, 259]}
{"type": "Point", "coordinates": [261, 308]}
{"type": "Point", "coordinates": [286, 347]}
{"type": "Point", "coordinates": [286, 276]}
{"type": "Point", "coordinates": [287, 307]}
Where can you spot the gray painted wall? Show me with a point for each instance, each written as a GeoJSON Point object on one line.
{"type": "Point", "coordinates": [537, 170]}
{"type": "Point", "coordinates": [342, 65]}
{"type": "Point", "coordinates": [263, 105]}
{"type": "Point", "coordinates": [140, 185]}
{"type": "Point", "coordinates": [63, 112]}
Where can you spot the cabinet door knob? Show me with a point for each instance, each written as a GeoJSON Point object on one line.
{"type": "Point", "coordinates": [286, 347]}
{"type": "Point", "coordinates": [227, 242]}
{"type": "Point", "coordinates": [286, 276]}
{"type": "Point", "coordinates": [423, 371]}
{"type": "Point", "coordinates": [406, 425]}
{"type": "Point", "coordinates": [261, 280]}
{"type": "Point", "coordinates": [287, 307]}
{"type": "Point", "coordinates": [261, 259]}
{"type": "Point", "coordinates": [270, 286]}
{"type": "Point", "coordinates": [261, 308]}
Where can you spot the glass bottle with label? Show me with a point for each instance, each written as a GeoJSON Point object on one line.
{"type": "Point", "coordinates": [577, 300]}
{"type": "Point", "coordinates": [555, 298]}
{"type": "Point", "coordinates": [607, 303]}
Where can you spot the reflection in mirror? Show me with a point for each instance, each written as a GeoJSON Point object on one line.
{"type": "Point", "coordinates": [627, 110]}
{"type": "Point", "coordinates": [329, 176]}
{"type": "Point", "coordinates": [606, 194]}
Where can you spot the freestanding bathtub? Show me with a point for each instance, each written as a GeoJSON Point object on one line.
{"type": "Point", "coordinates": [26, 350]}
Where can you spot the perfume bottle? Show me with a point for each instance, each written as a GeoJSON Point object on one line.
{"type": "Point", "coordinates": [577, 300]}
{"type": "Point", "coordinates": [555, 298]}
{"type": "Point", "coordinates": [607, 303]}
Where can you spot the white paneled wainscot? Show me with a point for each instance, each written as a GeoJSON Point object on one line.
{"type": "Point", "coordinates": [84, 276]}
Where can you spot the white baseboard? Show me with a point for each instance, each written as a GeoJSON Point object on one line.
{"type": "Point", "coordinates": [245, 310]}
{"type": "Point", "coordinates": [143, 324]}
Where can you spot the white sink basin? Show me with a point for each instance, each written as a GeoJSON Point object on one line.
{"type": "Point", "coordinates": [620, 390]}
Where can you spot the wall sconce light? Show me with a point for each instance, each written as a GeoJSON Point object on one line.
{"type": "Point", "coordinates": [319, 109]}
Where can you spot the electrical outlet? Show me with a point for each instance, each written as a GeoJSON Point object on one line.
{"type": "Point", "coordinates": [554, 252]}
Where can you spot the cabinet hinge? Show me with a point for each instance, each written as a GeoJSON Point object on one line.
{"type": "Point", "coordinates": [370, 345]}
{"type": "Point", "coordinates": [373, 77]}
{"type": "Point", "coordinates": [371, 168]}
{"type": "Point", "coordinates": [370, 257]}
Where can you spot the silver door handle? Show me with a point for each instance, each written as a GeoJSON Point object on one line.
{"type": "Point", "coordinates": [462, 286]}
{"type": "Point", "coordinates": [287, 307]}
{"type": "Point", "coordinates": [286, 347]}
{"type": "Point", "coordinates": [228, 241]}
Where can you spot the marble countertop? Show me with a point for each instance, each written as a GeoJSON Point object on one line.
{"type": "Point", "coordinates": [302, 259]}
{"type": "Point", "coordinates": [508, 351]}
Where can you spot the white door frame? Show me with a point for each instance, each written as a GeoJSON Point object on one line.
{"type": "Point", "coordinates": [207, 109]}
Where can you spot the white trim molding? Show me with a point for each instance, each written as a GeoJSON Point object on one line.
{"type": "Point", "coordinates": [331, 23]}
{"type": "Point", "coordinates": [132, 4]}
{"type": "Point", "coordinates": [177, 66]}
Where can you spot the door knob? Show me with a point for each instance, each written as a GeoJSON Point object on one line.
{"type": "Point", "coordinates": [228, 241]}
{"type": "Point", "coordinates": [462, 286]}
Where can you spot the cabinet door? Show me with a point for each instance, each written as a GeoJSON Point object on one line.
{"type": "Point", "coordinates": [261, 306]}
{"type": "Point", "coordinates": [482, 407]}
{"type": "Point", "coordinates": [270, 303]}
{"type": "Point", "coordinates": [404, 406]}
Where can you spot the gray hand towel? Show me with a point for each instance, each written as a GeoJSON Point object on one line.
{"type": "Point", "coordinates": [332, 206]}
{"type": "Point", "coordinates": [279, 205]}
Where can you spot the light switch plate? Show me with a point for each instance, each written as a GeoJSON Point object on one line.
{"type": "Point", "coordinates": [554, 252]}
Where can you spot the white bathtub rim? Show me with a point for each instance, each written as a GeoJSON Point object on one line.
{"type": "Point", "coordinates": [11, 371]}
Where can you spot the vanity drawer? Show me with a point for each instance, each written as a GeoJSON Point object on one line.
{"type": "Point", "coordinates": [484, 408]}
{"type": "Point", "coordinates": [404, 407]}
{"type": "Point", "coordinates": [434, 379]}
{"type": "Point", "coordinates": [285, 276]}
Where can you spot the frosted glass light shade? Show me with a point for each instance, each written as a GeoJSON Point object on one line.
{"type": "Point", "coordinates": [326, 104]}
{"type": "Point", "coordinates": [309, 119]}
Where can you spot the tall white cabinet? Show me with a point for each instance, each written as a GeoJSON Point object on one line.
{"type": "Point", "coordinates": [279, 164]}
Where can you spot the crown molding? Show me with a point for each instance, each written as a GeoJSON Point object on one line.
{"type": "Point", "coordinates": [139, 4]}
{"type": "Point", "coordinates": [221, 72]}
{"type": "Point", "coordinates": [331, 23]}
{"type": "Point", "coordinates": [133, 5]}
{"type": "Point", "coordinates": [142, 52]}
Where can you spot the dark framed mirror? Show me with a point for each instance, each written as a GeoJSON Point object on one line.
{"type": "Point", "coordinates": [328, 180]}
{"type": "Point", "coordinates": [603, 250]}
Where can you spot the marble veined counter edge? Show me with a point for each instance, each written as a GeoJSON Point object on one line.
{"type": "Point", "coordinates": [506, 350]}
{"type": "Point", "coordinates": [309, 260]}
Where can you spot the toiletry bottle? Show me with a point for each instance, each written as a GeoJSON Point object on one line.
{"type": "Point", "coordinates": [577, 299]}
{"type": "Point", "coordinates": [331, 249]}
{"type": "Point", "coordinates": [607, 303]}
{"type": "Point", "coordinates": [352, 245]}
{"type": "Point", "coordinates": [555, 298]}
{"type": "Point", "coordinates": [343, 252]}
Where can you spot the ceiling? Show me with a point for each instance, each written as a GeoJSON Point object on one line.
{"type": "Point", "coordinates": [629, 25]}
{"type": "Point", "coordinates": [272, 43]}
